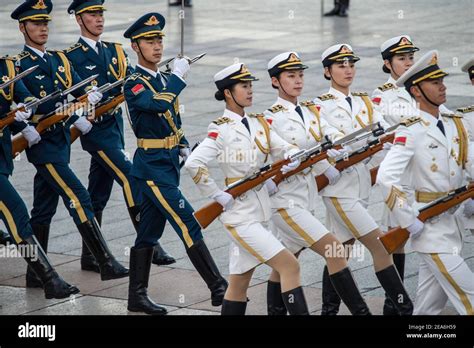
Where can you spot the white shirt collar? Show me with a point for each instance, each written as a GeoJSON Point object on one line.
{"type": "Point", "coordinates": [233, 116]}
{"type": "Point", "coordinates": [285, 103]}
{"type": "Point", "coordinates": [90, 42]}
{"type": "Point", "coordinates": [37, 51]}
{"type": "Point", "coordinates": [392, 81]}
{"type": "Point", "coordinates": [339, 94]}
{"type": "Point", "coordinates": [428, 117]}
{"type": "Point", "coordinates": [151, 72]}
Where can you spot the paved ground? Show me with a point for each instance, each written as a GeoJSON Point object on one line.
{"type": "Point", "coordinates": [252, 32]}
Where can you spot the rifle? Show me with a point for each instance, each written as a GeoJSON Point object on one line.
{"type": "Point", "coordinates": [169, 60]}
{"type": "Point", "coordinates": [396, 237]}
{"type": "Point", "coordinates": [19, 143]}
{"type": "Point", "coordinates": [207, 214]}
{"type": "Point", "coordinates": [18, 77]}
{"type": "Point", "coordinates": [181, 164]}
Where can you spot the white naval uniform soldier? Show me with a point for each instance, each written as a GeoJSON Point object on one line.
{"type": "Point", "coordinates": [347, 201]}
{"type": "Point", "coordinates": [242, 144]}
{"type": "Point", "coordinates": [294, 202]}
{"type": "Point", "coordinates": [468, 111]}
{"type": "Point", "coordinates": [436, 155]}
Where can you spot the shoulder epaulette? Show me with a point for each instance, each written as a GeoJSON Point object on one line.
{"type": "Point", "coordinates": [73, 47]}
{"type": "Point", "coordinates": [410, 121]}
{"type": "Point", "coordinates": [307, 103]}
{"type": "Point", "coordinates": [256, 114]}
{"type": "Point", "coordinates": [7, 58]}
{"type": "Point", "coordinates": [466, 109]}
{"type": "Point", "coordinates": [360, 94]}
{"type": "Point", "coordinates": [112, 43]}
{"type": "Point", "coordinates": [22, 55]}
{"type": "Point", "coordinates": [387, 87]}
{"type": "Point", "coordinates": [452, 115]}
{"type": "Point", "coordinates": [221, 120]}
{"type": "Point", "coordinates": [277, 108]}
{"type": "Point", "coordinates": [134, 76]}
{"type": "Point", "coordinates": [327, 96]}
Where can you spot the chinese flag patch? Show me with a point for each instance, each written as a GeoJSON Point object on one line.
{"type": "Point", "coordinates": [269, 121]}
{"type": "Point", "coordinates": [212, 135]}
{"type": "Point", "coordinates": [138, 89]}
{"type": "Point", "coordinates": [400, 141]}
{"type": "Point", "coordinates": [376, 100]}
{"type": "Point", "coordinates": [318, 107]}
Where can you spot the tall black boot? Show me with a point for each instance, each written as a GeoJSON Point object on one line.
{"type": "Point", "coordinates": [345, 286]}
{"type": "Point", "coordinates": [54, 286]}
{"type": "Point", "coordinates": [343, 9]}
{"type": "Point", "coordinates": [335, 10]}
{"type": "Point", "coordinates": [5, 238]}
{"type": "Point", "coordinates": [393, 286]}
{"type": "Point", "coordinates": [295, 301]}
{"type": "Point", "coordinates": [88, 262]}
{"type": "Point", "coordinates": [41, 232]}
{"type": "Point", "coordinates": [160, 256]}
{"type": "Point", "coordinates": [138, 300]}
{"type": "Point", "coordinates": [275, 304]}
{"type": "Point", "coordinates": [202, 260]}
{"type": "Point", "coordinates": [109, 267]}
{"type": "Point", "coordinates": [233, 307]}
{"type": "Point", "coordinates": [331, 300]}
{"type": "Point", "coordinates": [389, 307]}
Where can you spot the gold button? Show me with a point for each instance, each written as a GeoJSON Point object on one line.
{"type": "Point", "coordinates": [56, 82]}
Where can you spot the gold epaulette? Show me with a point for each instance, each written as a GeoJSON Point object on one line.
{"type": "Point", "coordinates": [73, 47]}
{"type": "Point", "coordinates": [307, 103]}
{"type": "Point", "coordinates": [453, 115]}
{"type": "Point", "coordinates": [387, 87]}
{"type": "Point", "coordinates": [410, 121]}
{"type": "Point", "coordinates": [112, 43]}
{"type": "Point", "coordinates": [466, 109]}
{"type": "Point", "coordinates": [21, 55]}
{"type": "Point", "coordinates": [221, 120]}
{"type": "Point", "coordinates": [277, 108]}
{"type": "Point", "coordinates": [134, 76]}
{"type": "Point", "coordinates": [7, 58]}
{"type": "Point", "coordinates": [327, 96]}
{"type": "Point", "coordinates": [359, 94]}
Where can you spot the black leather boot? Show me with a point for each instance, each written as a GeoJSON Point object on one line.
{"type": "Point", "coordinates": [335, 10]}
{"type": "Point", "coordinates": [88, 262]}
{"type": "Point", "coordinates": [109, 267]}
{"type": "Point", "coordinates": [331, 300]}
{"type": "Point", "coordinates": [160, 256]}
{"type": "Point", "coordinates": [233, 307]}
{"type": "Point", "coordinates": [295, 301]}
{"type": "Point", "coordinates": [275, 304]}
{"type": "Point", "coordinates": [41, 232]}
{"type": "Point", "coordinates": [346, 288]}
{"type": "Point", "coordinates": [343, 8]}
{"type": "Point", "coordinates": [5, 238]}
{"type": "Point", "coordinates": [202, 260]}
{"type": "Point", "coordinates": [393, 286]}
{"type": "Point", "coordinates": [54, 286]}
{"type": "Point", "coordinates": [388, 307]}
{"type": "Point", "coordinates": [138, 300]}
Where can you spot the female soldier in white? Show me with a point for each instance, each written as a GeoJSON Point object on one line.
{"type": "Point", "coordinates": [294, 201]}
{"type": "Point", "coordinates": [395, 104]}
{"type": "Point", "coordinates": [435, 154]}
{"type": "Point", "coordinates": [242, 144]}
{"type": "Point", "coordinates": [468, 111]}
{"type": "Point", "coordinates": [347, 200]}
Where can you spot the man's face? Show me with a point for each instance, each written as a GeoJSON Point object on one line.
{"type": "Point", "coordinates": [37, 31]}
{"type": "Point", "coordinates": [150, 48]}
{"type": "Point", "coordinates": [92, 22]}
{"type": "Point", "coordinates": [435, 90]}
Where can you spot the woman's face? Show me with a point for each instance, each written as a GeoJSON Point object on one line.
{"type": "Point", "coordinates": [400, 63]}
{"type": "Point", "coordinates": [290, 82]}
{"type": "Point", "coordinates": [342, 73]}
{"type": "Point", "coordinates": [241, 93]}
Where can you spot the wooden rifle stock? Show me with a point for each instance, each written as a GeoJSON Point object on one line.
{"type": "Point", "coordinates": [10, 118]}
{"type": "Point", "coordinates": [396, 237]}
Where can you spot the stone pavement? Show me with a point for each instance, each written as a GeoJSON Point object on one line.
{"type": "Point", "coordinates": [251, 32]}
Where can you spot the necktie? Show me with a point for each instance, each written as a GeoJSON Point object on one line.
{"type": "Point", "coordinates": [300, 112]}
{"type": "Point", "coordinates": [349, 100]}
{"type": "Point", "coordinates": [246, 123]}
{"type": "Point", "coordinates": [441, 127]}
{"type": "Point", "coordinates": [45, 58]}
{"type": "Point", "coordinates": [99, 48]}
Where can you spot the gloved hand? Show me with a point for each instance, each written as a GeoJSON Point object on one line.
{"type": "Point", "coordinates": [31, 135]}
{"type": "Point", "coordinates": [290, 166]}
{"type": "Point", "coordinates": [185, 152]}
{"type": "Point", "coordinates": [333, 175]}
{"type": "Point", "coordinates": [94, 96]}
{"type": "Point", "coordinates": [416, 228]}
{"type": "Point", "coordinates": [387, 146]}
{"type": "Point", "coordinates": [83, 125]}
{"type": "Point", "coordinates": [333, 153]}
{"type": "Point", "coordinates": [225, 199]}
{"type": "Point", "coordinates": [272, 188]}
{"type": "Point", "coordinates": [468, 209]}
{"type": "Point", "coordinates": [22, 115]}
{"type": "Point", "coordinates": [181, 67]}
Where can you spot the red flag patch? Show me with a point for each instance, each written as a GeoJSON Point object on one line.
{"type": "Point", "coordinates": [138, 89]}
{"type": "Point", "coordinates": [376, 100]}
{"type": "Point", "coordinates": [212, 135]}
{"type": "Point", "coordinates": [269, 120]}
{"type": "Point", "coordinates": [400, 141]}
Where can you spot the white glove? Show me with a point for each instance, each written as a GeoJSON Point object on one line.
{"type": "Point", "coordinates": [94, 96]}
{"type": "Point", "coordinates": [225, 199]}
{"type": "Point", "coordinates": [22, 115]}
{"type": "Point", "coordinates": [31, 135]}
{"type": "Point", "coordinates": [468, 209]}
{"type": "Point", "coordinates": [290, 166]}
{"type": "Point", "coordinates": [83, 125]}
{"type": "Point", "coordinates": [333, 153]}
{"type": "Point", "coordinates": [387, 146]}
{"type": "Point", "coordinates": [272, 188]}
{"type": "Point", "coordinates": [181, 67]}
{"type": "Point", "coordinates": [185, 152]}
{"type": "Point", "coordinates": [416, 228]}
{"type": "Point", "coordinates": [332, 174]}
